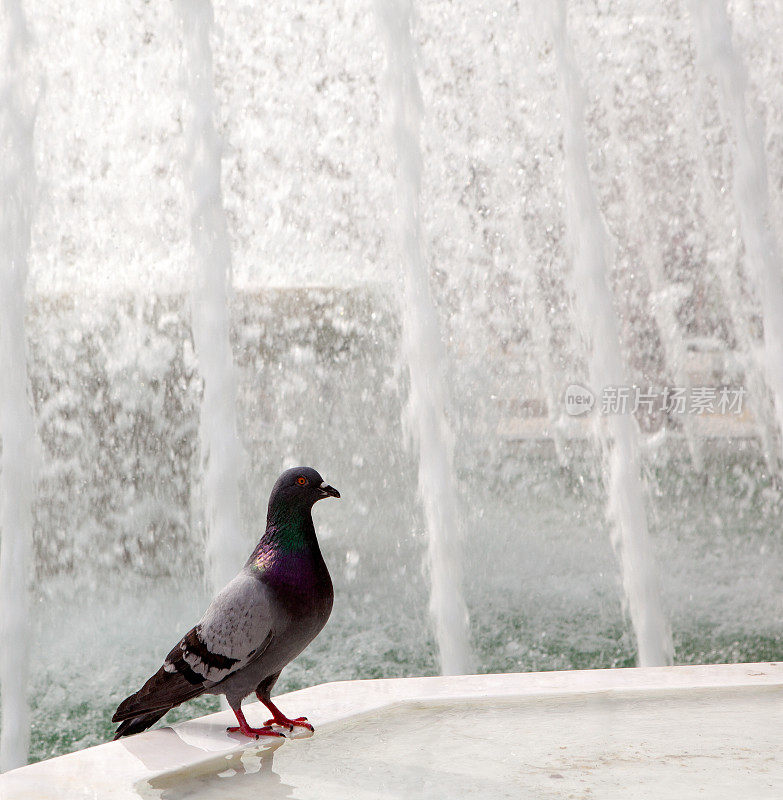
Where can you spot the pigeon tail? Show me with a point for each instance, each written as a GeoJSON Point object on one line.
{"type": "Point", "coordinates": [161, 692]}
{"type": "Point", "coordinates": [138, 724]}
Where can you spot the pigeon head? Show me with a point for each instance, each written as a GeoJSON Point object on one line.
{"type": "Point", "coordinates": [300, 486]}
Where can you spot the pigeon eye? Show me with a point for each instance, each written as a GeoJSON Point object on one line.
{"type": "Point", "coordinates": [301, 480]}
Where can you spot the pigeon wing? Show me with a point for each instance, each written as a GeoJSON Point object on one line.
{"type": "Point", "coordinates": [235, 631]}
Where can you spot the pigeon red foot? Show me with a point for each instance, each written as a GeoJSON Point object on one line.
{"type": "Point", "coordinates": [278, 718]}
{"type": "Point", "coordinates": [245, 729]}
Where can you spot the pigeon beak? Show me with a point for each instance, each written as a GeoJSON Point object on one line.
{"type": "Point", "coordinates": [328, 491]}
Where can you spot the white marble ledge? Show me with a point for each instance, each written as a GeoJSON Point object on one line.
{"type": "Point", "coordinates": [116, 769]}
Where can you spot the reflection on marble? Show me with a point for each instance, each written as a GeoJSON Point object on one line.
{"type": "Point", "coordinates": [248, 773]}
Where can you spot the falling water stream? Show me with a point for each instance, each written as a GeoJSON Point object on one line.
{"type": "Point", "coordinates": [591, 261]}
{"type": "Point", "coordinates": [750, 186]}
{"type": "Point", "coordinates": [220, 446]}
{"type": "Point", "coordinates": [423, 350]}
{"type": "Point", "coordinates": [17, 433]}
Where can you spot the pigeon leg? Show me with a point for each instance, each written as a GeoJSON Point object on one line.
{"type": "Point", "coordinates": [279, 718]}
{"type": "Point", "coordinates": [245, 729]}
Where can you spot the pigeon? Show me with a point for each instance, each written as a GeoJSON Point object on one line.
{"type": "Point", "coordinates": [259, 622]}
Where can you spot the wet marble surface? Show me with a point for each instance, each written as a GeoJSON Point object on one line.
{"type": "Point", "coordinates": [666, 733]}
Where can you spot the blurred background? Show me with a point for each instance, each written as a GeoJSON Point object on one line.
{"type": "Point", "coordinates": [302, 111]}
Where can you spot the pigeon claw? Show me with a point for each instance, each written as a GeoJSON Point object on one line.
{"type": "Point", "coordinates": [279, 718]}
{"type": "Point", "coordinates": [300, 722]}
{"type": "Point", "coordinates": [245, 729]}
{"type": "Point", "coordinates": [254, 733]}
